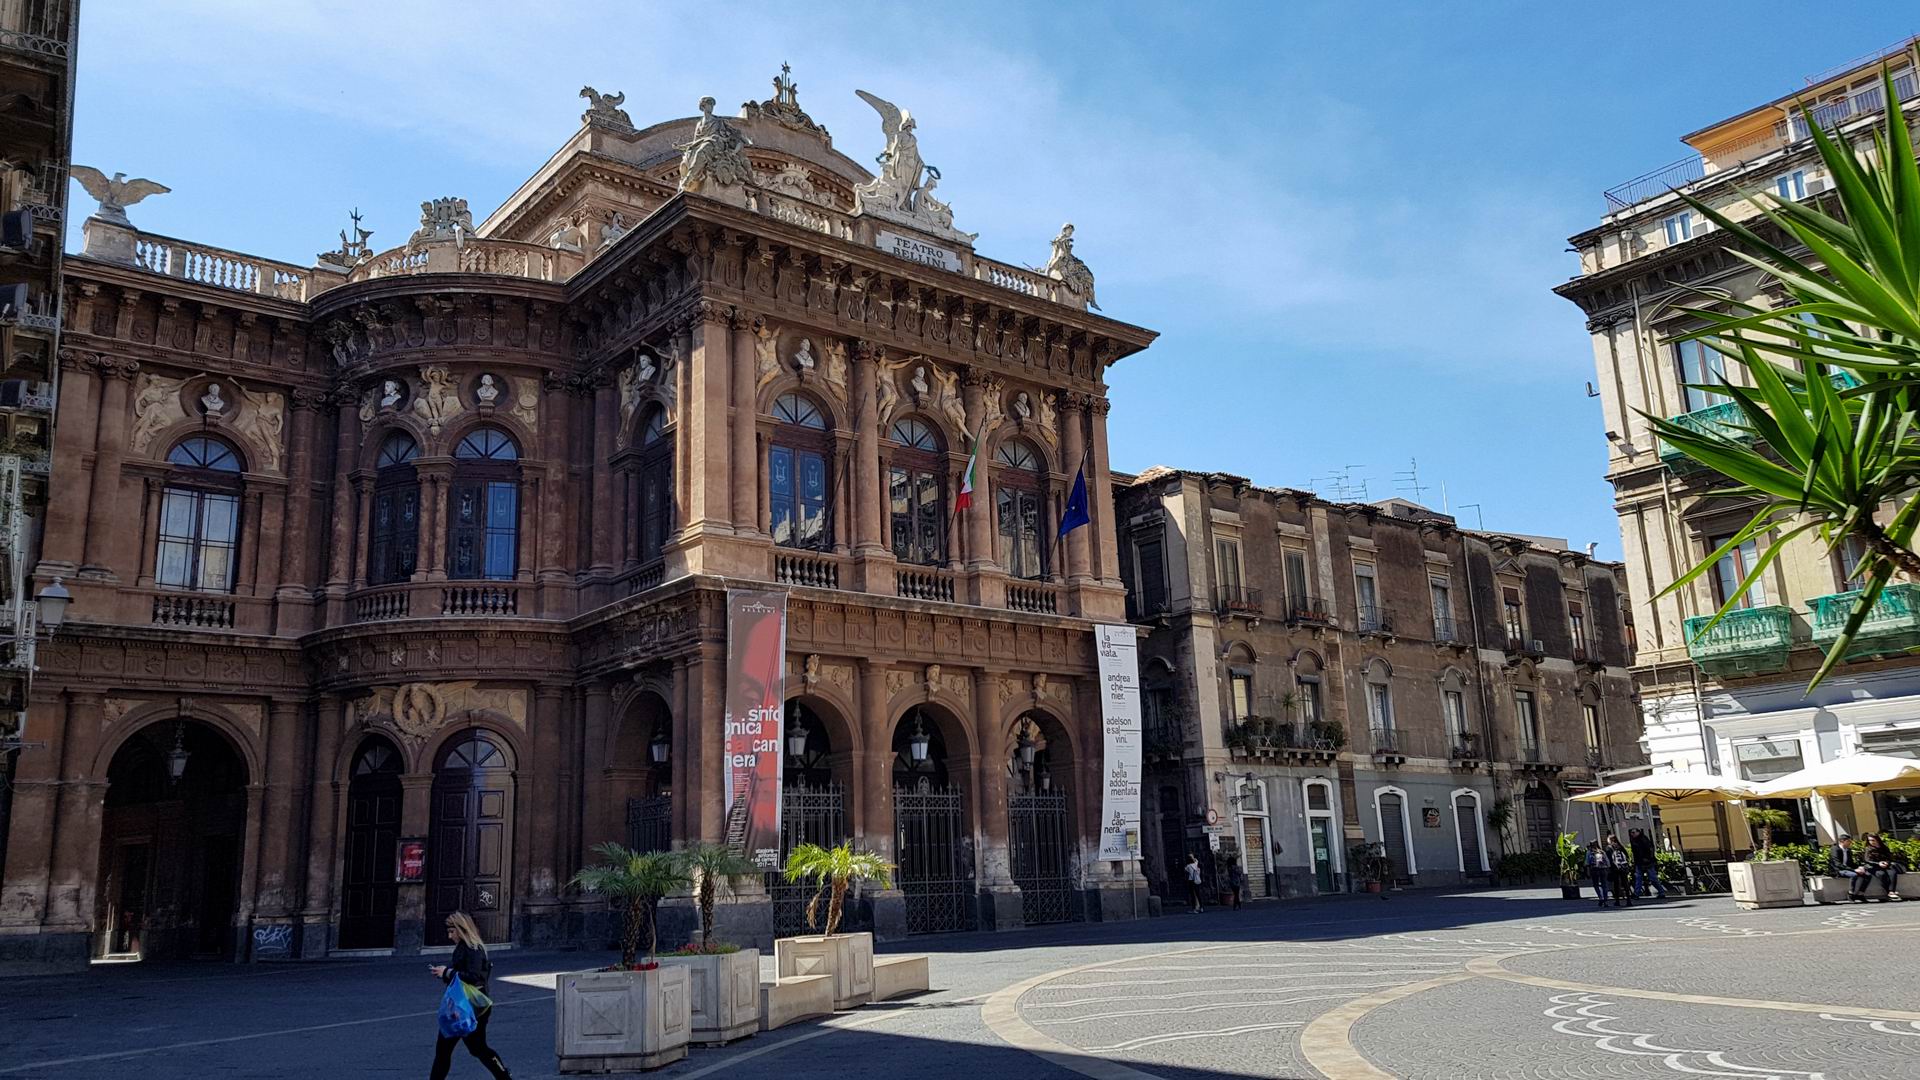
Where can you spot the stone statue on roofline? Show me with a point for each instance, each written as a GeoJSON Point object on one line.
{"type": "Point", "coordinates": [603, 110]}
{"type": "Point", "coordinates": [1066, 268]}
{"type": "Point", "coordinates": [114, 193]}
{"type": "Point", "coordinates": [715, 159]}
{"type": "Point", "coordinates": [443, 219]}
{"type": "Point", "coordinates": [903, 192]}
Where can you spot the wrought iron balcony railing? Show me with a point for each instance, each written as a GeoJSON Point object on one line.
{"type": "Point", "coordinates": [1892, 625]}
{"type": "Point", "coordinates": [1309, 609]}
{"type": "Point", "coordinates": [1237, 600]}
{"type": "Point", "coordinates": [1375, 620]}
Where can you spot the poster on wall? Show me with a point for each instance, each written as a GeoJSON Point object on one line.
{"type": "Point", "coordinates": [756, 701]}
{"type": "Point", "coordinates": [410, 860]}
{"type": "Point", "coordinates": [1118, 648]}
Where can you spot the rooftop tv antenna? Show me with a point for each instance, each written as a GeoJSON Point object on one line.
{"type": "Point", "coordinates": [1478, 517]}
{"type": "Point", "coordinates": [1409, 481]}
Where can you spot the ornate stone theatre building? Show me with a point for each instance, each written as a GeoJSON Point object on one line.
{"type": "Point", "coordinates": [398, 580]}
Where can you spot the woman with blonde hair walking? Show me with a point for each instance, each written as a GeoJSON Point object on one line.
{"type": "Point", "coordinates": [470, 963]}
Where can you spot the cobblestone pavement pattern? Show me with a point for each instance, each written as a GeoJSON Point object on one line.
{"type": "Point", "coordinates": [1429, 986]}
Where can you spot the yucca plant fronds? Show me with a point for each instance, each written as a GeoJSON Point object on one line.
{"type": "Point", "coordinates": [1828, 444]}
{"type": "Point", "coordinates": [714, 868]}
{"type": "Point", "coordinates": [833, 868]}
{"type": "Point", "coordinates": [637, 881]}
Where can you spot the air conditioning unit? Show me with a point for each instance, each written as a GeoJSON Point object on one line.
{"type": "Point", "coordinates": [1817, 186]}
{"type": "Point", "coordinates": [13, 300]}
{"type": "Point", "coordinates": [13, 393]}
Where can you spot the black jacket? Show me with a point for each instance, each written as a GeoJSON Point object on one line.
{"type": "Point", "coordinates": [1843, 858]}
{"type": "Point", "coordinates": [1643, 850]}
{"type": "Point", "coordinates": [471, 965]}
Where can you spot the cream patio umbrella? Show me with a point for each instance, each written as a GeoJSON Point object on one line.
{"type": "Point", "coordinates": [1681, 787]}
{"type": "Point", "coordinates": [1854, 775]}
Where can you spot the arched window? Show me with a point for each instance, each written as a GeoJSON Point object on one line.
{"type": "Point", "coordinates": [1020, 504]}
{"type": "Point", "coordinates": [797, 475]}
{"type": "Point", "coordinates": [656, 485]}
{"type": "Point", "coordinates": [914, 494]}
{"type": "Point", "coordinates": [483, 518]}
{"type": "Point", "coordinates": [393, 536]}
{"type": "Point", "coordinates": [199, 517]}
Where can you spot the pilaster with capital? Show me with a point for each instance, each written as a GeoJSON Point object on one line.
{"type": "Point", "coordinates": [710, 360]}
{"type": "Point", "coordinates": [1100, 496]}
{"type": "Point", "coordinates": [1073, 415]}
{"type": "Point", "coordinates": [60, 548]}
{"type": "Point", "coordinates": [340, 538]}
{"type": "Point", "coordinates": [294, 572]}
{"type": "Point", "coordinates": [316, 908]}
{"type": "Point", "coordinates": [996, 868]}
{"type": "Point", "coordinates": [865, 360]}
{"type": "Point", "coordinates": [75, 823]}
{"type": "Point", "coordinates": [980, 555]}
{"type": "Point", "coordinates": [280, 874]}
{"type": "Point", "coordinates": [605, 520]}
{"type": "Point", "coordinates": [873, 772]}
{"type": "Point", "coordinates": [107, 540]}
{"type": "Point", "coordinates": [744, 464]}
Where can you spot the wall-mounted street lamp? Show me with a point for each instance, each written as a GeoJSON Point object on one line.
{"type": "Point", "coordinates": [53, 601]}
{"type": "Point", "coordinates": [797, 739]}
{"type": "Point", "coordinates": [1026, 746]}
{"type": "Point", "coordinates": [917, 744]}
{"type": "Point", "coordinates": [660, 749]}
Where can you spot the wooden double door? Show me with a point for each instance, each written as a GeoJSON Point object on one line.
{"type": "Point", "coordinates": [369, 888]}
{"type": "Point", "coordinates": [470, 848]}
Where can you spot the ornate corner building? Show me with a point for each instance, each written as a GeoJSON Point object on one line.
{"type": "Point", "coordinates": [431, 542]}
{"type": "Point", "coordinates": [1733, 698]}
{"type": "Point", "coordinates": [1319, 675]}
{"type": "Point", "coordinates": [37, 45]}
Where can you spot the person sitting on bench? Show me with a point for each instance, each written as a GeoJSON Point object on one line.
{"type": "Point", "coordinates": [1876, 863]}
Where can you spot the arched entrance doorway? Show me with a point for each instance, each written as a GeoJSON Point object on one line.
{"type": "Point", "coordinates": [170, 849]}
{"type": "Point", "coordinates": [470, 852]}
{"type": "Point", "coordinates": [931, 839]}
{"type": "Point", "coordinates": [1542, 829]}
{"type": "Point", "coordinates": [813, 806]}
{"type": "Point", "coordinates": [369, 890]}
{"type": "Point", "coordinates": [1040, 846]}
{"type": "Point", "coordinates": [642, 766]}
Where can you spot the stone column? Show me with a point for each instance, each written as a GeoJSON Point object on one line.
{"type": "Point", "coordinates": [709, 675]}
{"type": "Point", "coordinates": [873, 794]}
{"type": "Point", "coordinates": [265, 549]}
{"type": "Point", "coordinates": [999, 896]}
{"type": "Point", "coordinates": [555, 409]}
{"type": "Point", "coordinates": [980, 554]}
{"type": "Point", "coordinates": [416, 819]}
{"type": "Point", "coordinates": [682, 819]}
{"type": "Point", "coordinates": [155, 491]}
{"type": "Point", "coordinates": [1073, 441]}
{"type": "Point", "coordinates": [62, 543]}
{"type": "Point", "coordinates": [340, 537]}
{"type": "Point", "coordinates": [594, 737]}
{"type": "Point", "coordinates": [744, 463]}
{"type": "Point", "coordinates": [865, 359]}
{"type": "Point", "coordinates": [602, 527]}
{"type": "Point", "coordinates": [710, 358]}
{"type": "Point", "coordinates": [279, 869]}
{"type": "Point", "coordinates": [363, 505]}
{"type": "Point", "coordinates": [75, 827]}
{"type": "Point", "coordinates": [1100, 497]}
{"type": "Point", "coordinates": [37, 786]}
{"type": "Point", "coordinates": [316, 910]}
{"type": "Point", "coordinates": [294, 577]}
{"type": "Point", "coordinates": [107, 538]}
{"type": "Point", "coordinates": [436, 487]}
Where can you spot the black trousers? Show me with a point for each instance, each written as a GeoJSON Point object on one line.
{"type": "Point", "coordinates": [476, 1041]}
{"type": "Point", "coordinates": [1193, 895]}
{"type": "Point", "coordinates": [1864, 878]}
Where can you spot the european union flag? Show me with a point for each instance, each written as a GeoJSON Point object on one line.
{"type": "Point", "coordinates": [1075, 513]}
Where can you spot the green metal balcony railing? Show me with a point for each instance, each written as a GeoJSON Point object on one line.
{"type": "Point", "coordinates": [1891, 626]}
{"type": "Point", "coordinates": [1751, 642]}
{"type": "Point", "coordinates": [1726, 418]}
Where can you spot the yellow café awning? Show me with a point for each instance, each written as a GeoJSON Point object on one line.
{"type": "Point", "coordinates": [1686, 787]}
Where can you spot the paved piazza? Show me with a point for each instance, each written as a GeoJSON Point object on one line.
{"type": "Point", "coordinates": [1500, 984]}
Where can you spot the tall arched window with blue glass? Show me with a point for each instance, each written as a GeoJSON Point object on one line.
{"type": "Point", "coordinates": [797, 491]}
{"type": "Point", "coordinates": [393, 536]}
{"type": "Point", "coordinates": [483, 514]}
{"type": "Point", "coordinates": [199, 517]}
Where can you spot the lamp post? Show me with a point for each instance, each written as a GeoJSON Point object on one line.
{"type": "Point", "coordinates": [660, 749]}
{"type": "Point", "coordinates": [53, 601]}
{"type": "Point", "coordinates": [797, 739]}
{"type": "Point", "coordinates": [917, 743]}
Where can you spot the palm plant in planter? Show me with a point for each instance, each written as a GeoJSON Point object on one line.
{"type": "Point", "coordinates": [1573, 864]}
{"type": "Point", "coordinates": [1766, 819]}
{"type": "Point", "coordinates": [846, 957]}
{"type": "Point", "coordinates": [638, 881]}
{"type": "Point", "coordinates": [654, 999]}
{"type": "Point", "coordinates": [725, 980]}
{"type": "Point", "coordinates": [1761, 881]}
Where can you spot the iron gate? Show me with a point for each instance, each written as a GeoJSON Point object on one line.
{"type": "Point", "coordinates": [808, 815]}
{"type": "Point", "coordinates": [936, 858]}
{"type": "Point", "coordinates": [1041, 847]}
{"type": "Point", "coordinates": [650, 823]}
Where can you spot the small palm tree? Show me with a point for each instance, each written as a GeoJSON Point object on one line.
{"type": "Point", "coordinates": [1767, 819]}
{"type": "Point", "coordinates": [638, 881]}
{"type": "Point", "coordinates": [713, 867]}
{"type": "Point", "coordinates": [833, 868]}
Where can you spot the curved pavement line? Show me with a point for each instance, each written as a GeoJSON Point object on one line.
{"type": "Point", "coordinates": [1490, 967]}
{"type": "Point", "coordinates": [1327, 1041]}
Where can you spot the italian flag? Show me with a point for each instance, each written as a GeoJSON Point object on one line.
{"type": "Point", "coordinates": [965, 498]}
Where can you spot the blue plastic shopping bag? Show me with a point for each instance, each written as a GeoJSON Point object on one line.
{"type": "Point", "coordinates": [456, 1011]}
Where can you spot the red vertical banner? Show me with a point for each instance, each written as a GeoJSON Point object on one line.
{"type": "Point", "coordinates": [756, 707]}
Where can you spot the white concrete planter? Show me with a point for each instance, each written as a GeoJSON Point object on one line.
{"type": "Point", "coordinates": [1766, 884]}
{"type": "Point", "coordinates": [846, 957]}
{"type": "Point", "coordinates": [619, 1021]}
{"type": "Point", "coordinates": [725, 994]}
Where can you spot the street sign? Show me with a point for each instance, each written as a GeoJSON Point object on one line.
{"type": "Point", "coordinates": [1213, 816]}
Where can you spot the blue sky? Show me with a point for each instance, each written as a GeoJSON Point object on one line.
{"type": "Point", "coordinates": [1344, 219]}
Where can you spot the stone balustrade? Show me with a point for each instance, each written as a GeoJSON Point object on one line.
{"type": "Point", "coordinates": [471, 255]}
{"type": "Point", "coordinates": [195, 612]}
{"type": "Point", "coordinates": [221, 268]}
{"type": "Point", "coordinates": [924, 584]}
{"type": "Point", "coordinates": [1036, 597]}
{"type": "Point", "coordinates": [809, 569]}
{"type": "Point", "coordinates": [378, 605]}
{"type": "Point", "coordinates": [493, 600]}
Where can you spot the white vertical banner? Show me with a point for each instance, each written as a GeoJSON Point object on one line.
{"type": "Point", "coordinates": [1118, 647]}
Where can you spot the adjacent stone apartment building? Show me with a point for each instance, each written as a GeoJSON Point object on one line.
{"type": "Point", "coordinates": [1735, 700]}
{"type": "Point", "coordinates": [1319, 674]}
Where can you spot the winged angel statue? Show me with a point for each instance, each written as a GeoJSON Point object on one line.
{"type": "Point", "coordinates": [115, 194]}
{"type": "Point", "coordinates": [899, 188]}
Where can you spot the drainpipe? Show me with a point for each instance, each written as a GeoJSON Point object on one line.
{"type": "Point", "coordinates": [1479, 679]}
